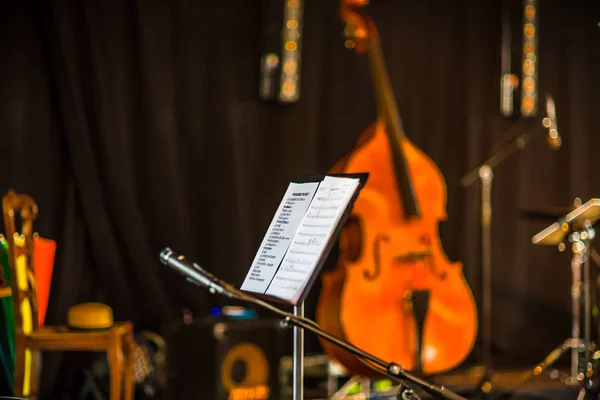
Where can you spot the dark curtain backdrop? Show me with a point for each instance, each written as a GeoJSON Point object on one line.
{"type": "Point", "coordinates": [136, 125]}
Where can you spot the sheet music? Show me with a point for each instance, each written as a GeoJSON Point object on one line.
{"type": "Point", "coordinates": [309, 243]}
{"type": "Point", "coordinates": [291, 210]}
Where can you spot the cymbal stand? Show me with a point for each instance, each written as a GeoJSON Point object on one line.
{"type": "Point", "coordinates": [484, 173]}
{"type": "Point", "coordinates": [580, 240]}
{"type": "Point", "coordinates": [582, 369]}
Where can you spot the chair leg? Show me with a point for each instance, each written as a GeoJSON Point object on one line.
{"type": "Point", "coordinates": [115, 362]}
{"type": "Point", "coordinates": [129, 347]}
{"type": "Point", "coordinates": [34, 384]}
{"type": "Point", "coordinates": [19, 378]}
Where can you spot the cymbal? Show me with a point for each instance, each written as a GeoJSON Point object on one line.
{"type": "Point", "coordinates": [545, 214]}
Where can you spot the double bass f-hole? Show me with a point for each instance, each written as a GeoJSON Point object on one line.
{"type": "Point", "coordinates": [376, 258]}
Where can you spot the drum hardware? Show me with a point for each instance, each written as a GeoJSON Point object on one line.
{"type": "Point", "coordinates": [555, 355]}
{"type": "Point", "coordinates": [576, 228]}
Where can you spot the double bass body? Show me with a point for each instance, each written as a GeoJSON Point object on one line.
{"type": "Point", "coordinates": [385, 258]}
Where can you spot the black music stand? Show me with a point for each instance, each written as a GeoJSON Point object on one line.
{"type": "Point", "coordinates": [577, 228]}
{"type": "Point", "coordinates": [298, 305]}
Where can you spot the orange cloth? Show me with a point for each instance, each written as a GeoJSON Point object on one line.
{"type": "Point", "coordinates": [43, 264]}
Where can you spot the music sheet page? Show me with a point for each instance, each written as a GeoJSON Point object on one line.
{"type": "Point", "coordinates": [291, 210]}
{"type": "Point", "coordinates": [309, 243]}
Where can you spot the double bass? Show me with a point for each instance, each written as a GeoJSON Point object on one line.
{"type": "Point", "coordinates": [394, 293]}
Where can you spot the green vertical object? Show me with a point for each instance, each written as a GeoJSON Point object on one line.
{"type": "Point", "coordinates": [7, 319]}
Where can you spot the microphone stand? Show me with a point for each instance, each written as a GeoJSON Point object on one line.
{"type": "Point", "coordinates": [391, 370]}
{"type": "Point", "coordinates": [484, 172]}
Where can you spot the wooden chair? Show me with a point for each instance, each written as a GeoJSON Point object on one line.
{"type": "Point", "coordinates": [30, 338]}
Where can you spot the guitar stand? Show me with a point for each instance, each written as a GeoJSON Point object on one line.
{"type": "Point", "coordinates": [582, 371]}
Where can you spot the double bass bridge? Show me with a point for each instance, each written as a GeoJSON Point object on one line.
{"type": "Point", "coordinates": [413, 256]}
{"type": "Point", "coordinates": [420, 254]}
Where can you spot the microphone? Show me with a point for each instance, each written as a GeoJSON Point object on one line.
{"type": "Point", "coordinates": [192, 271]}
{"type": "Point", "coordinates": [549, 122]}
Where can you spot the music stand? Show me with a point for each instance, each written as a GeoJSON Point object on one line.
{"type": "Point", "coordinates": [298, 305]}
{"type": "Point", "coordinates": [577, 228]}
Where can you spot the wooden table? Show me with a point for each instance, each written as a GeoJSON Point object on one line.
{"type": "Point", "coordinates": [5, 292]}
